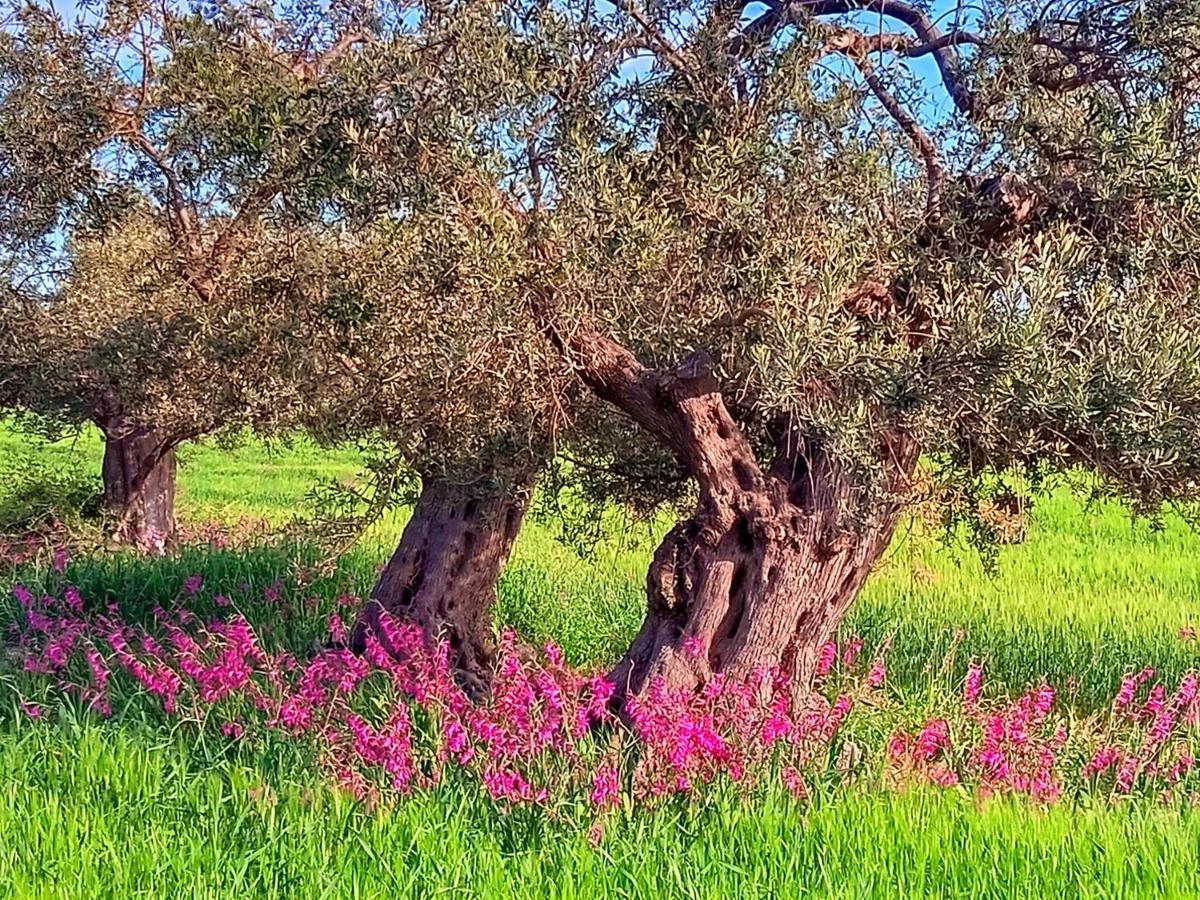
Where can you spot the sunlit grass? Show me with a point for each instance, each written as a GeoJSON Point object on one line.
{"type": "Point", "coordinates": [133, 807]}
{"type": "Point", "coordinates": [94, 811]}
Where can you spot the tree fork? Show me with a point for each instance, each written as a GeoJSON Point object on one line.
{"type": "Point", "coordinates": [762, 572]}
{"type": "Point", "coordinates": [761, 579]}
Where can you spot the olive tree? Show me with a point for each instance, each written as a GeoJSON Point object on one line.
{"type": "Point", "coordinates": [151, 164]}
{"type": "Point", "coordinates": [800, 245]}
{"type": "Point", "coordinates": [243, 246]}
{"type": "Point", "coordinates": [844, 285]}
{"type": "Point", "coordinates": [123, 343]}
{"type": "Point", "coordinates": [422, 357]}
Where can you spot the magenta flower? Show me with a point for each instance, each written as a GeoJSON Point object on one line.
{"type": "Point", "coordinates": [826, 659]}
{"type": "Point", "coordinates": [553, 654]}
{"type": "Point", "coordinates": [1125, 694]}
{"type": "Point", "coordinates": [531, 738]}
{"type": "Point", "coordinates": [1182, 766]}
{"type": "Point", "coordinates": [604, 787]}
{"type": "Point", "coordinates": [934, 738]}
{"type": "Point", "coordinates": [972, 686]}
{"type": "Point", "coordinates": [898, 746]}
{"type": "Point", "coordinates": [32, 710]}
{"type": "Point", "coordinates": [1102, 760]}
{"type": "Point", "coordinates": [851, 650]}
{"type": "Point", "coordinates": [73, 600]}
{"type": "Point", "coordinates": [794, 782]}
{"type": "Point", "coordinates": [877, 675]}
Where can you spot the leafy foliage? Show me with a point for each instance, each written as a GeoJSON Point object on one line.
{"type": "Point", "coordinates": [146, 158]}
{"type": "Point", "coordinates": [39, 496]}
{"type": "Point", "coordinates": [1009, 282]}
{"type": "Point", "coordinates": [982, 237]}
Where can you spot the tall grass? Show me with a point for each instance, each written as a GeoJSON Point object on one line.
{"type": "Point", "coordinates": [91, 811]}
{"type": "Point", "coordinates": [134, 807]}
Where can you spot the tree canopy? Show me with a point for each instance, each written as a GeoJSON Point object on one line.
{"type": "Point", "coordinates": [999, 259]}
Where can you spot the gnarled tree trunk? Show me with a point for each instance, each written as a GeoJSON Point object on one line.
{"type": "Point", "coordinates": [760, 576]}
{"type": "Point", "coordinates": [763, 571]}
{"type": "Point", "coordinates": [139, 485]}
{"type": "Point", "coordinates": [443, 574]}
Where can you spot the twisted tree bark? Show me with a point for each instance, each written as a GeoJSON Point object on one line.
{"type": "Point", "coordinates": [443, 574]}
{"type": "Point", "coordinates": [763, 571]}
{"type": "Point", "coordinates": [761, 574]}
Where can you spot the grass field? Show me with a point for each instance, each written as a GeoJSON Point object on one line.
{"type": "Point", "coordinates": [138, 806]}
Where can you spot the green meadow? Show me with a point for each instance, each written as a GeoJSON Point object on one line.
{"type": "Point", "coordinates": [136, 806]}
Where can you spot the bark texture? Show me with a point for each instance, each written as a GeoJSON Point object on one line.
{"type": "Point", "coordinates": [762, 572]}
{"type": "Point", "coordinates": [139, 486]}
{"type": "Point", "coordinates": [443, 574]}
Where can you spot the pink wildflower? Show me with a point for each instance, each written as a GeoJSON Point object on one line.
{"type": "Point", "coordinates": [554, 654]}
{"type": "Point", "coordinates": [851, 650]}
{"type": "Point", "coordinates": [1126, 775]}
{"type": "Point", "coordinates": [73, 600]}
{"type": "Point", "coordinates": [604, 787]}
{"type": "Point", "coordinates": [827, 658]}
{"type": "Point", "coordinates": [794, 782]}
{"type": "Point", "coordinates": [898, 746]}
{"type": "Point", "coordinates": [1125, 694]}
{"type": "Point", "coordinates": [1102, 760]}
{"type": "Point", "coordinates": [1182, 766]}
{"type": "Point", "coordinates": [934, 737]}
{"type": "Point", "coordinates": [32, 710]}
{"type": "Point", "coordinates": [877, 675]}
{"type": "Point", "coordinates": [973, 686]}
{"type": "Point", "coordinates": [1043, 700]}
{"type": "Point", "coordinates": [337, 630]}
{"type": "Point", "coordinates": [777, 726]}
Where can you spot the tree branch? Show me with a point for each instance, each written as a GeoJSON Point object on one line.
{"type": "Point", "coordinates": [657, 39]}
{"type": "Point", "coordinates": [181, 217]}
{"type": "Point", "coordinates": [935, 172]}
{"type": "Point", "coordinates": [309, 69]}
{"type": "Point", "coordinates": [930, 40]}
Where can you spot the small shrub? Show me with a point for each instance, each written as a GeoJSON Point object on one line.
{"type": "Point", "coordinates": [37, 497]}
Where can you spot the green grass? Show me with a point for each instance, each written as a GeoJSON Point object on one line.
{"type": "Point", "coordinates": [133, 807]}
{"type": "Point", "coordinates": [105, 812]}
